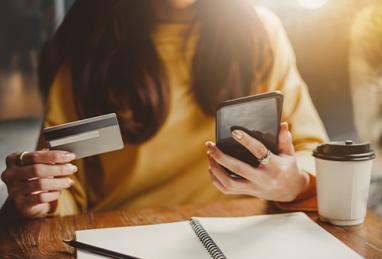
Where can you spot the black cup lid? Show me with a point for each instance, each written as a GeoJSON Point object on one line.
{"type": "Point", "coordinates": [344, 151]}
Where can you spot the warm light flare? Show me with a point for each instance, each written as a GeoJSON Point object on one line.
{"type": "Point", "coordinates": [312, 4]}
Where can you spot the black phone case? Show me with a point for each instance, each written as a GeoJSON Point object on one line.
{"type": "Point", "coordinates": [231, 147]}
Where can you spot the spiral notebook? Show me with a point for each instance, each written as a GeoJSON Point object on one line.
{"type": "Point", "coordinates": [291, 235]}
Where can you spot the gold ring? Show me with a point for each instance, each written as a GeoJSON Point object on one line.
{"type": "Point", "coordinates": [20, 159]}
{"type": "Point", "coordinates": [265, 159]}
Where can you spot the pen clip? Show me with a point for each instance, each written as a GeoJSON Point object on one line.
{"type": "Point", "coordinates": [97, 250]}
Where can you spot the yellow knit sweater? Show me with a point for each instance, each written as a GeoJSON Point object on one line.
{"type": "Point", "coordinates": [172, 168]}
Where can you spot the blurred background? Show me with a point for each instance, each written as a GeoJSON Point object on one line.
{"type": "Point", "coordinates": [320, 32]}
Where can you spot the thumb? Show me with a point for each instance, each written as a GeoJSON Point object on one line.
{"type": "Point", "coordinates": [285, 140]}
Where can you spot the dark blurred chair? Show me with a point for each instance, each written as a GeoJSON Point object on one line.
{"type": "Point", "coordinates": [21, 32]}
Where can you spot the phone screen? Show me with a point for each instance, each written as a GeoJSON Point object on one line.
{"type": "Point", "coordinates": [258, 116]}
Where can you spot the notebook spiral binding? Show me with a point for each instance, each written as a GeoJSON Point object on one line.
{"type": "Point", "coordinates": [206, 240]}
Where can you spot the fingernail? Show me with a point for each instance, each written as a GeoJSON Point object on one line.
{"type": "Point", "coordinates": [72, 168]}
{"type": "Point", "coordinates": [70, 181]}
{"type": "Point", "coordinates": [211, 146]}
{"type": "Point", "coordinates": [286, 125]}
{"type": "Point", "coordinates": [237, 134]}
{"type": "Point", "coordinates": [70, 156]}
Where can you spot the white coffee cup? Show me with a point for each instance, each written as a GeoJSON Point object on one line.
{"type": "Point", "coordinates": [343, 178]}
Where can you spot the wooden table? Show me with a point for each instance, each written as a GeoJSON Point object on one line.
{"type": "Point", "coordinates": [42, 238]}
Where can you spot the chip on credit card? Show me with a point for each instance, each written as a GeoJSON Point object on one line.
{"type": "Point", "coordinates": [86, 137]}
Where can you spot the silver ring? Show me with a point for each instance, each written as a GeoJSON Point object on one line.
{"type": "Point", "coordinates": [266, 158]}
{"type": "Point", "coordinates": [20, 159]}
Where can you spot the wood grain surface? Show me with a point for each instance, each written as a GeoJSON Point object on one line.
{"type": "Point", "coordinates": [42, 238]}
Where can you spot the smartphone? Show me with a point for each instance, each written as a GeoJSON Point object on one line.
{"type": "Point", "coordinates": [258, 115]}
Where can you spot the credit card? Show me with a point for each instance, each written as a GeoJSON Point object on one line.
{"type": "Point", "coordinates": [86, 137]}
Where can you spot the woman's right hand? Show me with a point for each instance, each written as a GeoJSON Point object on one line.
{"type": "Point", "coordinates": [35, 184]}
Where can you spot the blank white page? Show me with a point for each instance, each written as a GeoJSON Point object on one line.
{"type": "Point", "coordinates": [292, 235]}
{"type": "Point", "coordinates": [169, 240]}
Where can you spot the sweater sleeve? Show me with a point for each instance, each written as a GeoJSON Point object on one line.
{"type": "Point", "coordinates": [72, 200]}
{"type": "Point", "coordinates": [298, 110]}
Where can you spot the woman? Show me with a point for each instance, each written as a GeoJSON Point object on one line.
{"type": "Point", "coordinates": [366, 73]}
{"type": "Point", "coordinates": [366, 86]}
{"type": "Point", "coordinates": [163, 67]}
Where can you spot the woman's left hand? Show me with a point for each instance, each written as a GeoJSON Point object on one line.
{"type": "Point", "coordinates": [278, 180]}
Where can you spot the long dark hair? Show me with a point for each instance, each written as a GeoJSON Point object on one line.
{"type": "Point", "coordinates": [115, 67]}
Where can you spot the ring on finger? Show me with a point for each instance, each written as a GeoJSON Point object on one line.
{"type": "Point", "coordinates": [20, 160]}
{"type": "Point", "coordinates": [265, 160]}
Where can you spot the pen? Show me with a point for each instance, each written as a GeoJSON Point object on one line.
{"type": "Point", "coordinates": [98, 250]}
